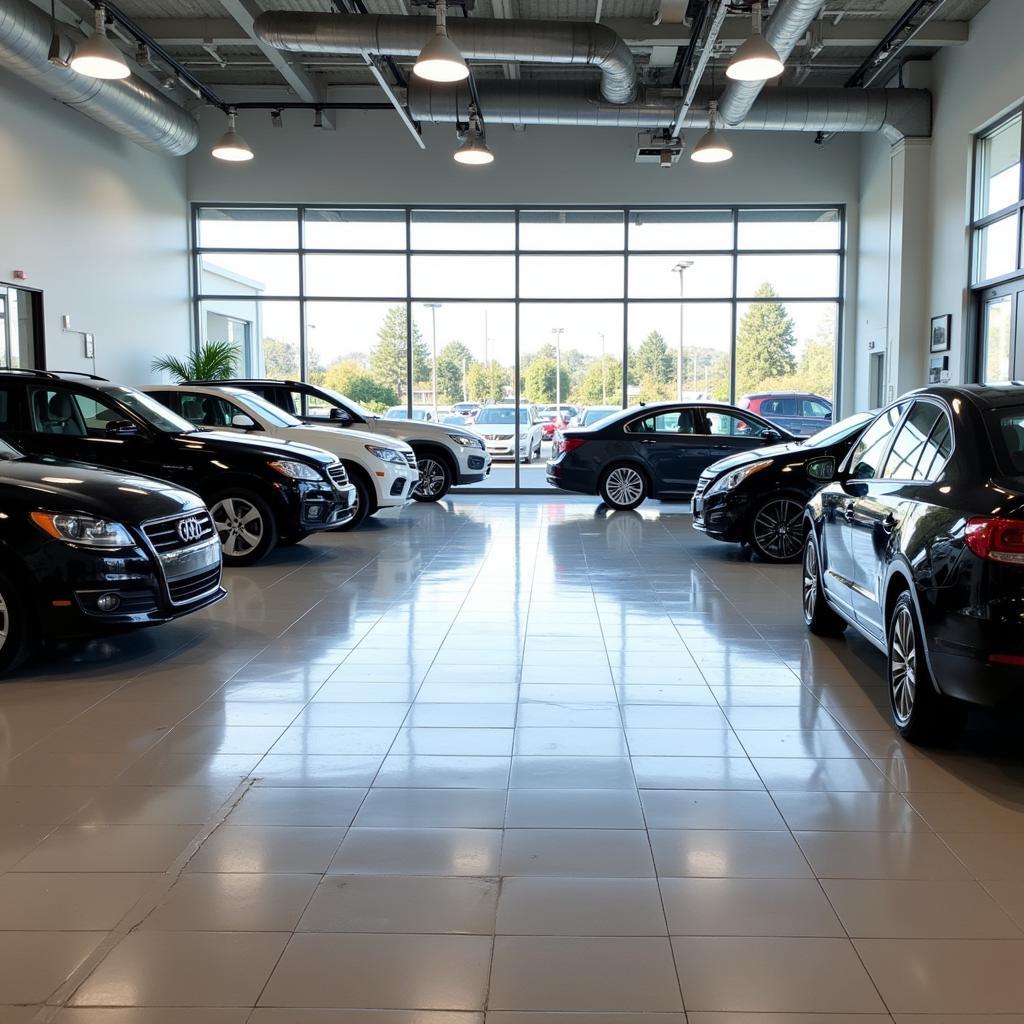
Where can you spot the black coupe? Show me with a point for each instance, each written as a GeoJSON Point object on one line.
{"type": "Point", "coordinates": [757, 498]}
{"type": "Point", "coordinates": [655, 451]}
{"type": "Point", "coordinates": [919, 544]}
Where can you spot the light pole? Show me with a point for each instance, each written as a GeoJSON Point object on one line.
{"type": "Point", "coordinates": [465, 383]}
{"type": "Point", "coordinates": [558, 332]}
{"type": "Point", "coordinates": [680, 268]}
{"type": "Point", "coordinates": [604, 375]}
{"type": "Point", "coordinates": [434, 307]}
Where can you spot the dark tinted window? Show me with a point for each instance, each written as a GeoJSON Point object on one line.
{"type": "Point", "coordinates": [779, 407]}
{"type": "Point", "coordinates": [815, 408]}
{"type": "Point", "coordinates": [1011, 433]}
{"type": "Point", "coordinates": [911, 443]}
{"type": "Point", "coordinates": [207, 410]}
{"type": "Point", "coordinates": [54, 412]}
{"type": "Point", "coordinates": [936, 451]}
{"type": "Point", "coordinates": [865, 463]}
{"type": "Point", "coordinates": [676, 421]}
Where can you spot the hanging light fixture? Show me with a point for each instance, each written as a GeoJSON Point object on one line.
{"type": "Point", "coordinates": [97, 56]}
{"type": "Point", "coordinates": [231, 146]}
{"type": "Point", "coordinates": [440, 60]}
{"type": "Point", "coordinates": [474, 149]}
{"type": "Point", "coordinates": [756, 60]}
{"type": "Point", "coordinates": [713, 147]}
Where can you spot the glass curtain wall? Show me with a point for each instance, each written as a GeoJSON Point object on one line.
{"type": "Point", "coordinates": [453, 314]}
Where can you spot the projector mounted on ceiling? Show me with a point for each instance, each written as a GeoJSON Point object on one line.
{"type": "Point", "coordinates": [658, 148]}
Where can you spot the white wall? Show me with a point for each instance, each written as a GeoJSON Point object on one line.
{"type": "Point", "coordinates": [101, 226]}
{"type": "Point", "coordinates": [914, 237]}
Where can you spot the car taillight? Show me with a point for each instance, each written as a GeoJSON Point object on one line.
{"type": "Point", "coordinates": [998, 540]}
{"type": "Point", "coordinates": [1014, 660]}
{"type": "Point", "coordinates": [570, 444]}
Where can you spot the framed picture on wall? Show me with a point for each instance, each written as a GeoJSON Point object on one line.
{"type": "Point", "coordinates": [941, 327]}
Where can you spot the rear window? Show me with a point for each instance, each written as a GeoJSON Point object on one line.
{"type": "Point", "coordinates": [1010, 437]}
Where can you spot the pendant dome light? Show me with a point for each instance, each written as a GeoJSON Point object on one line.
{"type": "Point", "coordinates": [231, 146]}
{"type": "Point", "coordinates": [756, 60]}
{"type": "Point", "coordinates": [473, 150]}
{"type": "Point", "coordinates": [713, 147]}
{"type": "Point", "coordinates": [97, 56]}
{"type": "Point", "coordinates": [440, 60]}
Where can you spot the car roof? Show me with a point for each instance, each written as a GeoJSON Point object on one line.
{"type": "Point", "coordinates": [983, 396]}
{"type": "Point", "coordinates": [786, 394]}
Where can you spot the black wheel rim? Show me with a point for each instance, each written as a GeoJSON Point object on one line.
{"type": "Point", "coordinates": [431, 481]}
{"type": "Point", "coordinates": [778, 528]}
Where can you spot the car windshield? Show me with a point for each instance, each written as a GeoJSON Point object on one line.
{"type": "Point", "coordinates": [592, 416]}
{"type": "Point", "coordinates": [261, 407]}
{"type": "Point", "coordinates": [839, 431]}
{"type": "Point", "coordinates": [499, 414]}
{"type": "Point", "coordinates": [1010, 437]}
{"type": "Point", "coordinates": [346, 403]}
{"type": "Point", "coordinates": [155, 414]}
{"type": "Point", "coordinates": [8, 451]}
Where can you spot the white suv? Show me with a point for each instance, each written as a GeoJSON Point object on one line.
{"type": "Point", "coordinates": [382, 469]}
{"type": "Point", "coordinates": [446, 455]}
{"type": "Point", "coordinates": [496, 424]}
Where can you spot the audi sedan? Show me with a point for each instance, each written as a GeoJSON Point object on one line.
{"type": "Point", "coordinates": [918, 544]}
{"type": "Point", "coordinates": [655, 451]}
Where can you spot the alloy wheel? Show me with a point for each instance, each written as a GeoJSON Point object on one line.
{"type": "Point", "coordinates": [5, 623]}
{"type": "Point", "coordinates": [239, 525]}
{"type": "Point", "coordinates": [810, 581]}
{"type": "Point", "coordinates": [624, 485]}
{"type": "Point", "coordinates": [778, 528]}
{"type": "Point", "coordinates": [431, 477]}
{"type": "Point", "coordinates": [903, 665]}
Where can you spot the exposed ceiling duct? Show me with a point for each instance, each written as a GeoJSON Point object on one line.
{"type": "Point", "coordinates": [129, 106]}
{"type": "Point", "coordinates": [526, 42]}
{"type": "Point", "coordinates": [897, 112]}
{"type": "Point", "coordinates": [788, 24]}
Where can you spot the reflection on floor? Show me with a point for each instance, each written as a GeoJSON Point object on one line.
{"type": "Point", "coordinates": [502, 756]}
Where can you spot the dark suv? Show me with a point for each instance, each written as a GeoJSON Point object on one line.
{"type": "Point", "coordinates": [799, 412]}
{"type": "Point", "coordinates": [260, 492]}
{"type": "Point", "coordinates": [85, 552]}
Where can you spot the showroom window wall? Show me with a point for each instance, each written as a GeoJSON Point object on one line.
{"type": "Point", "coordinates": [416, 310]}
{"type": "Point", "coordinates": [997, 250]}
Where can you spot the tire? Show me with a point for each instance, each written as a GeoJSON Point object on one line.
{"type": "Point", "coordinates": [14, 627]}
{"type": "Point", "coordinates": [536, 454]}
{"type": "Point", "coordinates": [527, 457]}
{"type": "Point", "coordinates": [623, 487]}
{"type": "Point", "coordinates": [920, 713]}
{"type": "Point", "coordinates": [364, 503]}
{"type": "Point", "coordinates": [435, 478]}
{"type": "Point", "coordinates": [777, 529]}
{"type": "Point", "coordinates": [246, 527]}
{"type": "Point", "coordinates": [819, 618]}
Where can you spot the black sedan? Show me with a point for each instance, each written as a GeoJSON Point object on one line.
{"type": "Point", "coordinates": [757, 498]}
{"type": "Point", "coordinates": [655, 451]}
{"type": "Point", "coordinates": [919, 545]}
{"type": "Point", "coordinates": [85, 552]}
{"type": "Point", "coordinates": [261, 492]}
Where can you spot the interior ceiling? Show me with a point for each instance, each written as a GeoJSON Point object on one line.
{"type": "Point", "coordinates": [205, 38]}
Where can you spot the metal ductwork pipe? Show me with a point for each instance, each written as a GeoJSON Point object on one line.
{"type": "Point", "coordinates": [129, 106]}
{"type": "Point", "coordinates": [788, 24]}
{"type": "Point", "coordinates": [527, 42]}
{"type": "Point", "coordinates": [897, 112]}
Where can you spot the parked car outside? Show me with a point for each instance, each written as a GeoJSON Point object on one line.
{"type": "Point", "coordinates": [400, 412]}
{"type": "Point", "coordinates": [919, 545]}
{"type": "Point", "coordinates": [381, 469]}
{"type": "Point", "coordinates": [757, 497]}
{"type": "Point", "coordinates": [655, 451]}
{"type": "Point", "coordinates": [445, 457]}
{"type": "Point", "coordinates": [260, 492]}
{"type": "Point", "coordinates": [593, 414]}
{"type": "Point", "coordinates": [799, 412]}
{"type": "Point", "coordinates": [496, 424]}
{"type": "Point", "coordinates": [468, 410]}
{"type": "Point", "coordinates": [85, 552]}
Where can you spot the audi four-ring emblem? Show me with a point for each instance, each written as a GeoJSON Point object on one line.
{"type": "Point", "coordinates": [190, 530]}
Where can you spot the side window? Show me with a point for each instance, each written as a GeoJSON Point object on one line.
{"type": "Point", "coordinates": [54, 412]}
{"type": "Point", "coordinates": [936, 450]}
{"type": "Point", "coordinates": [726, 424]}
{"type": "Point", "coordinates": [6, 410]}
{"type": "Point", "coordinates": [819, 409]}
{"type": "Point", "coordinates": [910, 442]}
{"type": "Point", "coordinates": [865, 462]}
{"type": "Point", "coordinates": [207, 410]}
{"type": "Point", "coordinates": [676, 421]}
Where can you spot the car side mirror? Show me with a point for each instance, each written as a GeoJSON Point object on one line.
{"type": "Point", "coordinates": [770, 435]}
{"type": "Point", "coordinates": [337, 415]}
{"type": "Point", "coordinates": [243, 422]}
{"type": "Point", "coordinates": [121, 428]}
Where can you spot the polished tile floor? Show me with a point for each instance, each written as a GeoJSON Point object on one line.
{"type": "Point", "coordinates": [501, 760]}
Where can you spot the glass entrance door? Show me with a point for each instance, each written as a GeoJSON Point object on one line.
{"type": "Point", "coordinates": [17, 328]}
{"type": "Point", "coordinates": [1002, 333]}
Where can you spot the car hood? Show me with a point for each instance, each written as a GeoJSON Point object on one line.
{"type": "Point", "coordinates": [732, 462]}
{"type": "Point", "coordinates": [273, 447]}
{"type": "Point", "coordinates": [345, 442]}
{"type": "Point", "coordinates": [497, 429]}
{"type": "Point", "coordinates": [55, 485]}
{"type": "Point", "coordinates": [409, 430]}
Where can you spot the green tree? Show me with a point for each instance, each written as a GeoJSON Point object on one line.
{"type": "Point", "coordinates": [452, 361]}
{"type": "Point", "coordinates": [653, 361]}
{"type": "Point", "coordinates": [540, 379]}
{"type": "Point", "coordinates": [765, 343]}
{"type": "Point", "coordinates": [601, 384]}
{"type": "Point", "coordinates": [352, 380]}
{"type": "Point", "coordinates": [487, 381]}
{"type": "Point", "coordinates": [388, 360]}
{"type": "Point", "coordinates": [280, 359]}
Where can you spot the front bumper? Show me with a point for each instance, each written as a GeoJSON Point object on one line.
{"type": "Point", "coordinates": [722, 516]}
{"type": "Point", "coordinates": [394, 483]}
{"type": "Point", "coordinates": [473, 465]}
{"type": "Point", "coordinates": [313, 506]}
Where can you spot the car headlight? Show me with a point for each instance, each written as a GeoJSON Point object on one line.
{"type": "Point", "coordinates": [466, 441]}
{"type": "Point", "coordinates": [387, 454]}
{"type": "Point", "coordinates": [730, 481]}
{"type": "Point", "coordinates": [295, 470]}
{"type": "Point", "coordinates": [87, 530]}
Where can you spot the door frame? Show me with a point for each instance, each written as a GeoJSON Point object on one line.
{"type": "Point", "coordinates": [1013, 288]}
{"type": "Point", "coordinates": [35, 296]}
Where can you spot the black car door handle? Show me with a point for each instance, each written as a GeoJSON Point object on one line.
{"type": "Point", "coordinates": [647, 440]}
{"type": "Point", "coordinates": [850, 512]}
{"type": "Point", "coordinates": [888, 524]}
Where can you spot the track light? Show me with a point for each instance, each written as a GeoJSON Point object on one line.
{"type": "Point", "coordinates": [440, 60]}
{"type": "Point", "coordinates": [97, 56]}
{"type": "Point", "coordinates": [231, 146]}
{"type": "Point", "coordinates": [275, 119]}
{"type": "Point", "coordinates": [713, 147]}
{"type": "Point", "coordinates": [474, 149]}
{"type": "Point", "coordinates": [756, 60]}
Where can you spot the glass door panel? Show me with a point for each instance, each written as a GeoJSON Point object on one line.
{"type": "Point", "coordinates": [997, 339]}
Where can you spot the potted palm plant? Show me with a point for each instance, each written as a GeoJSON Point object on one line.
{"type": "Point", "coordinates": [213, 360]}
